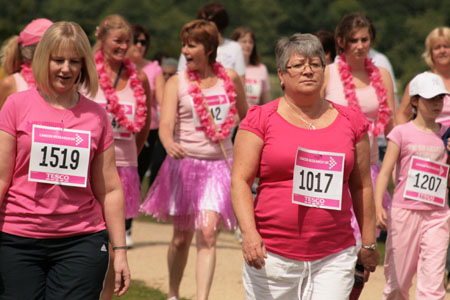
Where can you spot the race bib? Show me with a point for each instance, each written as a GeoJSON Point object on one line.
{"type": "Point", "coordinates": [253, 91]}
{"type": "Point", "coordinates": [427, 181]}
{"type": "Point", "coordinates": [59, 156]}
{"type": "Point", "coordinates": [219, 105]}
{"type": "Point", "coordinates": [120, 132]}
{"type": "Point", "coordinates": [318, 179]}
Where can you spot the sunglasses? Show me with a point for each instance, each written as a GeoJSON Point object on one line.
{"type": "Point", "coordinates": [142, 42]}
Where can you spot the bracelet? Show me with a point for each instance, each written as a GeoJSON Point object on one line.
{"type": "Point", "coordinates": [119, 247]}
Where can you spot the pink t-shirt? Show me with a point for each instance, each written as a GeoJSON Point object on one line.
{"type": "Point", "coordinates": [444, 117]}
{"type": "Point", "coordinates": [256, 83]}
{"type": "Point", "coordinates": [290, 230]}
{"type": "Point", "coordinates": [42, 210]}
{"type": "Point", "coordinates": [188, 133]}
{"type": "Point", "coordinates": [126, 150]}
{"type": "Point", "coordinates": [152, 70]}
{"type": "Point", "coordinates": [413, 141]}
{"type": "Point", "coordinates": [21, 84]}
{"type": "Point", "coordinates": [367, 99]}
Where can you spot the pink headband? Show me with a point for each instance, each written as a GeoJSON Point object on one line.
{"type": "Point", "coordinates": [34, 31]}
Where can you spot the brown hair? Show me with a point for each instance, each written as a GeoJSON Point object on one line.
{"type": "Point", "coordinates": [203, 32]}
{"type": "Point", "coordinates": [347, 27]}
{"type": "Point", "coordinates": [216, 13]}
{"type": "Point", "coordinates": [241, 32]}
{"type": "Point", "coordinates": [111, 22]}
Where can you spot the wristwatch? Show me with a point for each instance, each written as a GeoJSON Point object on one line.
{"type": "Point", "coordinates": [372, 247]}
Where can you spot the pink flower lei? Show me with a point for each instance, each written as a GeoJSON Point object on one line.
{"type": "Point", "coordinates": [113, 106]}
{"type": "Point", "coordinates": [375, 80]}
{"type": "Point", "coordinates": [201, 107]}
{"type": "Point", "coordinates": [27, 74]}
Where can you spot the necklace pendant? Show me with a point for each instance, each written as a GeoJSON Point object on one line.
{"type": "Point", "coordinates": [311, 127]}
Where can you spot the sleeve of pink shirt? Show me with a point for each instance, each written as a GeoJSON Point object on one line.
{"type": "Point", "coordinates": [395, 136]}
{"type": "Point", "coordinates": [8, 116]}
{"type": "Point", "coordinates": [107, 139]}
{"type": "Point", "coordinates": [254, 121]}
{"type": "Point", "coordinates": [357, 120]}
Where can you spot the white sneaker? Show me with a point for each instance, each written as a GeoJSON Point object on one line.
{"type": "Point", "coordinates": [128, 239]}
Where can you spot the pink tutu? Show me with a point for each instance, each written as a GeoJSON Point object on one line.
{"type": "Point", "coordinates": [131, 189]}
{"type": "Point", "coordinates": [188, 187]}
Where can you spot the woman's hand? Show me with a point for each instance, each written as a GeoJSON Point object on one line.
{"type": "Point", "coordinates": [122, 271]}
{"type": "Point", "coordinates": [381, 218]}
{"type": "Point", "coordinates": [253, 249]}
{"type": "Point", "coordinates": [175, 150]}
{"type": "Point", "coordinates": [369, 259]}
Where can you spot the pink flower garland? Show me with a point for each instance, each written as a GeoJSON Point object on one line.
{"type": "Point", "coordinates": [113, 106]}
{"type": "Point", "coordinates": [200, 105]}
{"type": "Point", "coordinates": [375, 81]}
{"type": "Point", "coordinates": [27, 74]}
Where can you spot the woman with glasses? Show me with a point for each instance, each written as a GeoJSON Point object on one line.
{"type": "Point", "coordinates": [312, 159]}
{"type": "Point", "coordinates": [136, 52]}
{"type": "Point", "coordinates": [125, 94]}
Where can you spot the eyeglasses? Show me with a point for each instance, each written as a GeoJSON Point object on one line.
{"type": "Point", "coordinates": [301, 68]}
{"type": "Point", "coordinates": [142, 42]}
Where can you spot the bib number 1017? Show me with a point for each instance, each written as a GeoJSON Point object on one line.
{"type": "Point", "coordinates": [57, 157]}
{"type": "Point", "coordinates": [319, 182]}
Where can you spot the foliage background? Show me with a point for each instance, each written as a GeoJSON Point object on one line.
{"type": "Point", "coordinates": [401, 25]}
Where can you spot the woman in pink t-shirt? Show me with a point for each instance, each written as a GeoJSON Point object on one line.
{"type": "Point", "coordinates": [418, 223]}
{"type": "Point", "coordinates": [193, 184]}
{"type": "Point", "coordinates": [312, 160]}
{"type": "Point", "coordinates": [59, 186]}
{"type": "Point", "coordinates": [257, 83]}
{"type": "Point", "coordinates": [437, 57]}
{"type": "Point", "coordinates": [17, 54]}
{"type": "Point", "coordinates": [125, 93]}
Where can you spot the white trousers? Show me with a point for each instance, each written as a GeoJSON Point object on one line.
{"type": "Point", "coordinates": [282, 278]}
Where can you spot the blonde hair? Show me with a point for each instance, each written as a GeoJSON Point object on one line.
{"type": "Point", "coordinates": [438, 32]}
{"type": "Point", "coordinates": [61, 35]}
{"type": "Point", "coordinates": [111, 22]}
{"type": "Point", "coordinates": [13, 55]}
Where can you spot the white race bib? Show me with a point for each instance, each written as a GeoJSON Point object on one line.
{"type": "Point", "coordinates": [120, 132]}
{"type": "Point", "coordinates": [59, 156]}
{"type": "Point", "coordinates": [427, 181]}
{"type": "Point", "coordinates": [318, 179]}
{"type": "Point", "coordinates": [253, 91]}
{"type": "Point", "coordinates": [219, 105]}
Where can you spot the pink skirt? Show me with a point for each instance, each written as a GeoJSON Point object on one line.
{"type": "Point", "coordinates": [131, 189]}
{"type": "Point", "coordinates": [187, 188]}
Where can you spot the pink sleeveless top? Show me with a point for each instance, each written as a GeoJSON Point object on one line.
{"type": "Point", "coordinates": [193, 139]}
{"type": "Point", "coordinates": [126, 150]}
{"type": "Point", "coordinates": [368, 102]}
{"type": "Point", "coordinates": [21, 84]}
{"type": "Point", "coordinates": [152, 70]}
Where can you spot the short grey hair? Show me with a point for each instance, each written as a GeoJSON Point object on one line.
{"type": "Point", "coordinates": [305, 44]}
{"type": "Point", "coordinates": [170, 62]}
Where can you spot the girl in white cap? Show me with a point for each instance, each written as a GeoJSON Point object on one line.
{"type": "Point", "coordinates": [16, 56]}
{"type": "Point", "coordinates": [418, 222]}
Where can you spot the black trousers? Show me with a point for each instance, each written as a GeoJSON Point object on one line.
{"type": "Point", "coordinates": [53, 269]}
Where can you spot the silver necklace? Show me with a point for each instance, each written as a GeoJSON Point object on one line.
{"type": "Point", "coordinates": [310, 125]}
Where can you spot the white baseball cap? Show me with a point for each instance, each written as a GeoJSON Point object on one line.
{"type": "Point", "coordinates": [427, 85]}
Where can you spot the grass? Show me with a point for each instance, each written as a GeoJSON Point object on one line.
{"type": "Point", "coordinates": [138, 291]}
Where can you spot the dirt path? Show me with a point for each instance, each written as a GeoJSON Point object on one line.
{"type": "Point", "coordinates": [148, 263]}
